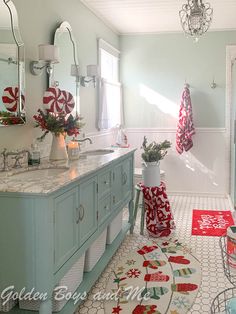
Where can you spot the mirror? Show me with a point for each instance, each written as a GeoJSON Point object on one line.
{"type": "Point", "coordinates": [61, 75]}
{"type": "Point", "coordinates": [12, 78]}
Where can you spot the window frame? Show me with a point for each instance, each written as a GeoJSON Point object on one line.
{"type": "Point", "coordinates": [102, 44]}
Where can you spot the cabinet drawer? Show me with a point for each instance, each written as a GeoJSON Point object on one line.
{"type": "Point", "coordinates": [104, 209]}
{"type": "Point", "coordinates": [104, 183]}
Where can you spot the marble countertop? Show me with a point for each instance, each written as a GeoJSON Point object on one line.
{"type": "Point", "coordinates": [30, 182]}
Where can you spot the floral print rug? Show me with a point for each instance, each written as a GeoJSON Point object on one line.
{"type": "Point", "coordinates": [160, 277]}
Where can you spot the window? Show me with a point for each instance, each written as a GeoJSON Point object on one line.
{"type": "Point", "coordinates": [110, 109]}
{"type": "Point", "coordinates": [109, 66]}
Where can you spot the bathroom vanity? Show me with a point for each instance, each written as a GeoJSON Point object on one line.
{"type": "Point", "coordinates": [49, 218]}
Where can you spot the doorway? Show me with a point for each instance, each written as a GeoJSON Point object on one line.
{"type": "Point", "coordinates": [231, 118]}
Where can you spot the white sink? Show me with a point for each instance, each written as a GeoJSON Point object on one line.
{"type": "Point", "coordinates": [38, 173]}
{"type": "Point", "coordinates": [97, 152]}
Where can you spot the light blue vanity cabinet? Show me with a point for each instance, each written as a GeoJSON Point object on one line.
{"type": "Point", "coordinates": [66, 232]}
{"type": "Point", "coordinates": [43, 235]}
{"type": "Point", "coordinates": [122, 182]}
{"type": "Point", "coordinates": [104, 195]}
{"type": "Point", "coordinates": [75, 220]}
{"type": "Point", "coordinates": [87, 209]}
{"type": "Point", "coordinates": [127, 178]}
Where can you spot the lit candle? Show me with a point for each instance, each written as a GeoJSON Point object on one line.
{"type": "Point", "coordinates": [73, 150]}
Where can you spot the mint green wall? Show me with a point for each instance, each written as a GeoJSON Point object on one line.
{"type": "Point", "coordinates": [38, 20]}
{"type": "Point", "coordinates": [161, 63]}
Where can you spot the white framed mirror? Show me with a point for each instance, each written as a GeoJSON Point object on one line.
{"type": "Point", "coordinates": [62, 75]}
{"type": "Point", "coordinates": [12, 64]}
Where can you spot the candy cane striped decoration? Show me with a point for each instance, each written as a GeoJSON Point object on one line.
{"type": "Point", "coordinates": [10, 98]}
{"type": "Point", "coordinates": [53, 100]}
{"type": "Point", "coordinates": [69, 103]}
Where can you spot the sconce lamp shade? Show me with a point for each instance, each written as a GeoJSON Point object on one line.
{"type": "Point", "coordinates": [48, 53]}
{"type": "Point", "coordinates": [75, 70]}
{"type": "Point", "coordinates": [92, 70]}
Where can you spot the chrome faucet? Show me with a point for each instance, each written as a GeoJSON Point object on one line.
{"type": "Point", "coordinates": [17, 158]}
{"type": "Point", "coordinates": [83, 140]}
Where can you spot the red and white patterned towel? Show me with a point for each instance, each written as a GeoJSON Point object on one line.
{"type": "Point", "coordinates": [185, 128]}
{"type": "Point", "coordinates": [159, 218]}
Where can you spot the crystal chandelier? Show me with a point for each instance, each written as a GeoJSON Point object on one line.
{"type": "Point", "coordinates": [196, 17]}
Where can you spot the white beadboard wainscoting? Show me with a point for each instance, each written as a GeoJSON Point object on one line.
{"type": "Point", "coordinates": [202, 170]}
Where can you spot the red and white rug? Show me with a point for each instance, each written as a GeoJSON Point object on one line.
{"type": "Point", "coordinates": [211, 222]}
{"type": "Point", "coordinates": [160, 277]}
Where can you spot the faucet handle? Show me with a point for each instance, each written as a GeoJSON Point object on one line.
{"type": "Point", "coordinates": [17, 163]}
{"type": "Point", "coordinates": [4, 151]}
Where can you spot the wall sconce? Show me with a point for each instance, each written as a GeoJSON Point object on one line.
{"type": "Point", "coordinates": [48, 55]}
{"type": "Point", "coordinates": [92, 74]}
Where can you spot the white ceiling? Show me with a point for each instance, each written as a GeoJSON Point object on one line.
{"type": "Point", "coordinates": [153, 16]}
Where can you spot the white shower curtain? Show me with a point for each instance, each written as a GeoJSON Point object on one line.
{"type": "Point", "coordinates": [110, 109]}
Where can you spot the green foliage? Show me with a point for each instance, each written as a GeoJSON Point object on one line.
{"type": "Point", "coordinates": [58, 123]}
{"type": "Point", "coordinates": [154, 151]}
{"type": "Point", "coordinates": [10, 118]}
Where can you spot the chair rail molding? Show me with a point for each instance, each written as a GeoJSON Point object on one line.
{"type": "Point", "coordinates": [173, 130]}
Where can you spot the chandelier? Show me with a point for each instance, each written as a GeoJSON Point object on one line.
{"type": "Point", "coordinates": [196, 17]}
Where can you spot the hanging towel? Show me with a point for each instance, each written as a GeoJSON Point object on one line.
{"type": "Point", "coordinates": [185, 128]}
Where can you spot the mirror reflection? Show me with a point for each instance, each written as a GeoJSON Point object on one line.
{"type": "Point", "coordinates": [12, 109]}
{"type": "Point", "coordinates": [62, 75]}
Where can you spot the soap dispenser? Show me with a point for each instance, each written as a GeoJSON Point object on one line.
{"type": "Point", "coordinates": [34, 158]}
{"type": "Point", "coordinates": [121, 139]}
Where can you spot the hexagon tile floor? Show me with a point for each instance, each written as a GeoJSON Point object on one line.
{"type": "Point", "coordinates": [205, 248]}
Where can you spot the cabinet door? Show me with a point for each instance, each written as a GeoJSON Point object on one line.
{"type": "Point", "coordinates": [88, 214]}
{"type": "Point", "coordinates": [65, 227]}
{"type": "Point", "coordinates": [127, 180]}
{"type": "Point", "coordinates": [104, 209]}
{"type": "Point", "coordinates": [117, 190]}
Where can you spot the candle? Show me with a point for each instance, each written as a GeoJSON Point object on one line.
{"type": "Point", "coordinates": [73, 150]}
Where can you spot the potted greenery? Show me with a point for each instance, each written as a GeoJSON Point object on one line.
{"type": "Point", "coordinates": [152, 154]}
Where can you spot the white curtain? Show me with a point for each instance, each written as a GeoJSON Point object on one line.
{"type": "Point", "coordinates": [110, 108]}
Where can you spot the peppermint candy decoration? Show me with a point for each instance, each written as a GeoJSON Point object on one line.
{"type": "Point", "coordinates": [10, 98]}
{"type": "Point", "coordinates": [69, 103]}
{"type": "Point", "coordinates": [53, 100]}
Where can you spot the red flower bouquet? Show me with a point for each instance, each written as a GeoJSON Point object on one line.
{"type": "Point", "coordinates": [57, 123]}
